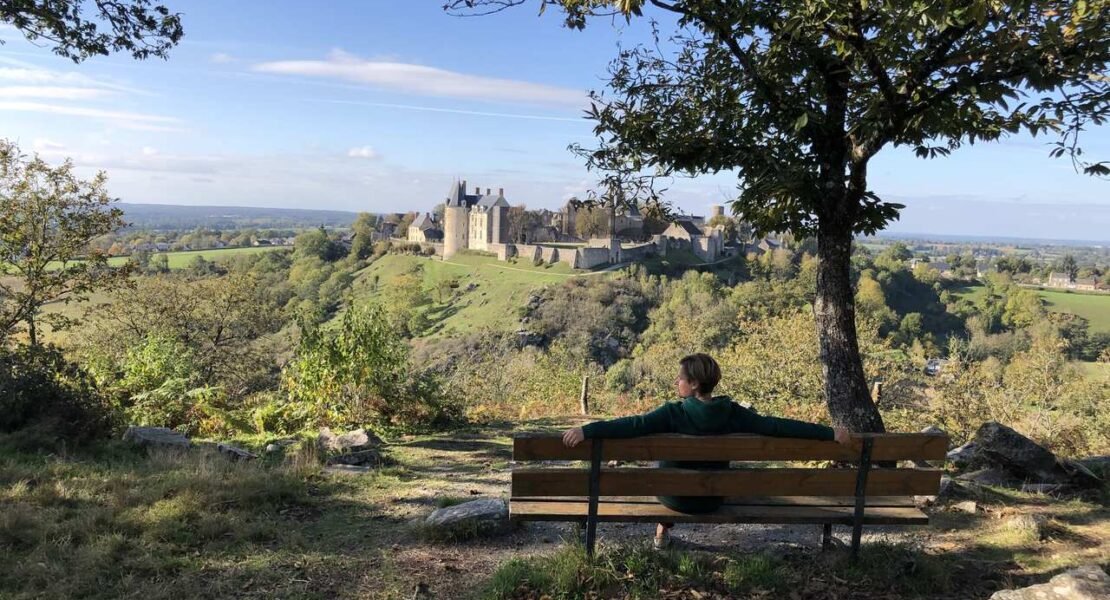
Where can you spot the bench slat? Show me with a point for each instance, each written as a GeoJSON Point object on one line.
{"type": "Point", "coordinates": [653, 513]}
{"type": "Point", "coordinates": [892, 501]}
{"type": "Point", "coordinates": [730, 482]}
{"type": "Point", "coordinates": [888, 446]}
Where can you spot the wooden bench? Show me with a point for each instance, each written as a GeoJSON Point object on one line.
{"type": "Point", "coordinates": [857, 496]}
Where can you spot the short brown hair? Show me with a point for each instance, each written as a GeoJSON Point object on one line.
{"type": "Point", "coordinates": [702, 369]}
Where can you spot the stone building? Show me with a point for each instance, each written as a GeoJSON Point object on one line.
{"type": "Point", "coordinates": [629, 221]}
{"type": "Point", "coordinates": [425, 229]}
{"type": "Point", "coordinates": [707, 243]}
{"type": "Point", "coordinates": [474, 221]}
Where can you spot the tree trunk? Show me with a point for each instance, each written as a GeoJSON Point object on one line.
{"type": "Point", "coordinates": [846, 391]}
{"type": "Point", "coordinates": [32, 331]}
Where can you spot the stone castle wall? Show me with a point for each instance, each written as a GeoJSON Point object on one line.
{"type": "Point", "coordinates": [588, 258]}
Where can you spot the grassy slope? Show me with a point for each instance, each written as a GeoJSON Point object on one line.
{"type": "Point", "coordinates": [502, 288]}
{"type": "Point", "coordinates": [180, 260]}
{"type": "Point", "coordinates": [1093, 307]}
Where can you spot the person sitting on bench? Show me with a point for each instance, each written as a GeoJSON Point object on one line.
{"type": "Point", "coordinates": [699, 413]}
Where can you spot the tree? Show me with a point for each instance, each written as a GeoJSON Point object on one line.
{"type": "Point", "coordinates": [798, 96]}
{"type": "Point", "coordinates": [362, 246]}
{"type": "Point", "coordinates": [521, 223]}
{"type": "Point", "coordinates": [591, 222]}
{"type": "Point", "coordinates": [133, 26]}
{"type": "Point", "coordinates": [48, 217]}
{"type": "Point", "coordinates": [1069, 266]}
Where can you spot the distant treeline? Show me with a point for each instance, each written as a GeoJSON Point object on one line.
{"type": "Point", "coordinates": [172, 217]}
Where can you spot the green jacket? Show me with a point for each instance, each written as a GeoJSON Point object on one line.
{"type": "Point", "coordinates": [691, 416]}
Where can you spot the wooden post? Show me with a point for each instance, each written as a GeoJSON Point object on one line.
{"type": "Point", "coordinates": [584, 397]}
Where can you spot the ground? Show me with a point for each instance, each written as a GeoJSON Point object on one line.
{"type": "Point", "coordinates": [1094, 307]}
{"type": "Point", "coordinates": [500, 288]}
{"type": "Point", "coordinates": [118, 524]}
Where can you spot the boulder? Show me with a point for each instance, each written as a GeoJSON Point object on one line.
{"type": "Point", "coordinates": [487, 516]}
{"type": "Point", "coordinates": [1088, 582]}
{"type": "Point", "coordinates": [358, 439]}
{"type": "Point", "coordinates": [949, 488]}
{"type": "Point", "coordinates": [995, 477]}
{"type": "Point", "coordinates": [360, 458]}
{"type": "Point", "coordinates": [967, 506]}
{"type": "Point", "coordinates": [961, 457]}
{"type": "Point", "coordinates": [234, 452]}
{"type": "Point", "coordinates": [326, 441]}
{"type": "Point", "coordinates": [156, 437]}
{"type": "Point", "coordinates": [1000, 448]}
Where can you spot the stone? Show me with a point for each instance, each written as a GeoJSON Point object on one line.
{"type": "Point", "coordinates": [487, 516]}
{"type": "Point", "coordinates": [358, 439]}
{"type": "Point", "coordinates": [1042, 488]}
{"type": "Point", "coordinates": [1088, 582]}
{"type": "Point", "coordinates": [326, 441]}
{"type": "Point", "coordinates": [362, 457]}
{"type": "Point", "coordinates": [1097, 464]}
{"type": "Point", "coordinates": [967, 506]}
{"type": "Point", "coordinates": [234, 452]}
{"type": "Point", "coordinates": [948, 489]}
{"type": "Point", "coordinates": [271, 448]}
{"type": "Point", "coordinates": [961, 457]}
{"type": "Point", "coordinates": [996, 477]}
{"type": "Point", "coordinates": [347, 469]}
{"type": "Point", "coordinates": [1031, 526]}
{"type": "Point", "coordinates": [156, 437]}
{"type": "Point", "coordinates": [998, 447]}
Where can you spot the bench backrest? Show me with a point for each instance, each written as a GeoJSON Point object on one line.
{"type": "Point", "coordinates": [883, 481]}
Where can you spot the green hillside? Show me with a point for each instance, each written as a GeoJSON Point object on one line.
{"type": "Point", "coordinates": [1093, 307]}
{"type": "Point", "coordinates": [499, 288]}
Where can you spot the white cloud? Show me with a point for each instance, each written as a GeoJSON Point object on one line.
{"type": "Point", "coordinates": [122, 118]}
{"type": "Point", "coordinates": [47, 146]}
{"type": "Point", "coordinates": [52, 92]}
{"type": "Point", "coordinates": [148, 151]}
{"type": "Point", "coordinates": [221, 58]}
{"type": "Point", "coordinates": [424, 80]}
{"type": "Point", "coordinates": [363, 152]}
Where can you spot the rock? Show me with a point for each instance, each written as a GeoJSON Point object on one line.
{"type": "Point", "coordinates": [326, 441]}
{"type": "Point", "coordinates": [271, 448]}
{"type": "Point", "coordinates": [1097, 464]}
{"type": "Point", "coordinates": [163, 437]}
{"type": "Point", "coordinates": [348, 469]}
{"type": "Point", "coordinates": [1088, 582]}
{"type": "Point", "coordinates": [362, 457]}
{"type": "Point", "coordinates": [358, 439]}
{"type": "Point", "coordinates": [997, 446]}
{"type": "Point", "coordinates": [234, 452]}
{"type": "Point", "coordinates": [934, 430]}
{"type": "Point", "coordinates": [996, 477]}
{"type": "Point", "coordinates": [948, 489]}
{"type": "Point", "coordinates": [961, 457]}
{"type": "Point", "coordinates": [487, 516]}
{"type": "Point", "coordinates": [967, 506]}
{"type": "Point", "coordinates": [1030, 526]}
{"type": "Point", "coordinates": [1042, 488]}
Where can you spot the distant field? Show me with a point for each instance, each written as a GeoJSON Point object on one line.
{"type": "Point", "coordinates": [1093, 307]}
{"type": "Point", "coordinates": [501, 288]}
{"type": "Point", "coordinates": [180, 260]}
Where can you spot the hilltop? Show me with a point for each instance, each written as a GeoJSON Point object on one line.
{"type": "Point", "coordinates": [487, 292]}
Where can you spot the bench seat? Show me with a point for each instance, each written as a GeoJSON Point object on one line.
{"type": "Point", "coordinates": [864, 494]}
{"type": "Point", "coordinates": [651, 511]}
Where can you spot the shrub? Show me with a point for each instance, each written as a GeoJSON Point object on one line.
{"type": "Point", "coordinates": [38, 386]}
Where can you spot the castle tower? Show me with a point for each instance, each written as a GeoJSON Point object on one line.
{"type": "Point", "coordinates": [456, 222]}
{"type": "Point", "coordinates": [716, 210]}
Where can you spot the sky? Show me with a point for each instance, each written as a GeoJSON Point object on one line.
{"type": "Point", "coordinates": [379, 105]}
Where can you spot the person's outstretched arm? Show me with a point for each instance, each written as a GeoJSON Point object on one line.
{"type": "Point", "coordinates": [656, 421]}
{"type": "Point", "coordinates": [748, 421]}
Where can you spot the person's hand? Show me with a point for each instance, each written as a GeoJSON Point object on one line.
{"type": "Point", "coordinates": [573, 437]}
{"type": "Point", "coordinates": [842, 435]}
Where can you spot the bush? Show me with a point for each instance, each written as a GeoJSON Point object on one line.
{"type": "Point", "coordinates": [38, 386]}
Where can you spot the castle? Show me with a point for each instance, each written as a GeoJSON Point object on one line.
{"type": "Point", "coordinates": [474, 221]}
{"type": "Point", "coordinates": [480, 222]}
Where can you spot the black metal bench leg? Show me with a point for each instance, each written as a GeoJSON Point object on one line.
{"type": "Point", "coordinates": [826, 536]}
{"type": "Point", "coordinates": [595, 489]}
{"type": "Point", "coordinates": [861, 495]}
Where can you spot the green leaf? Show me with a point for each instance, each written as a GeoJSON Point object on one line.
{"type": "Point", "coordinates": [801, 122]}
